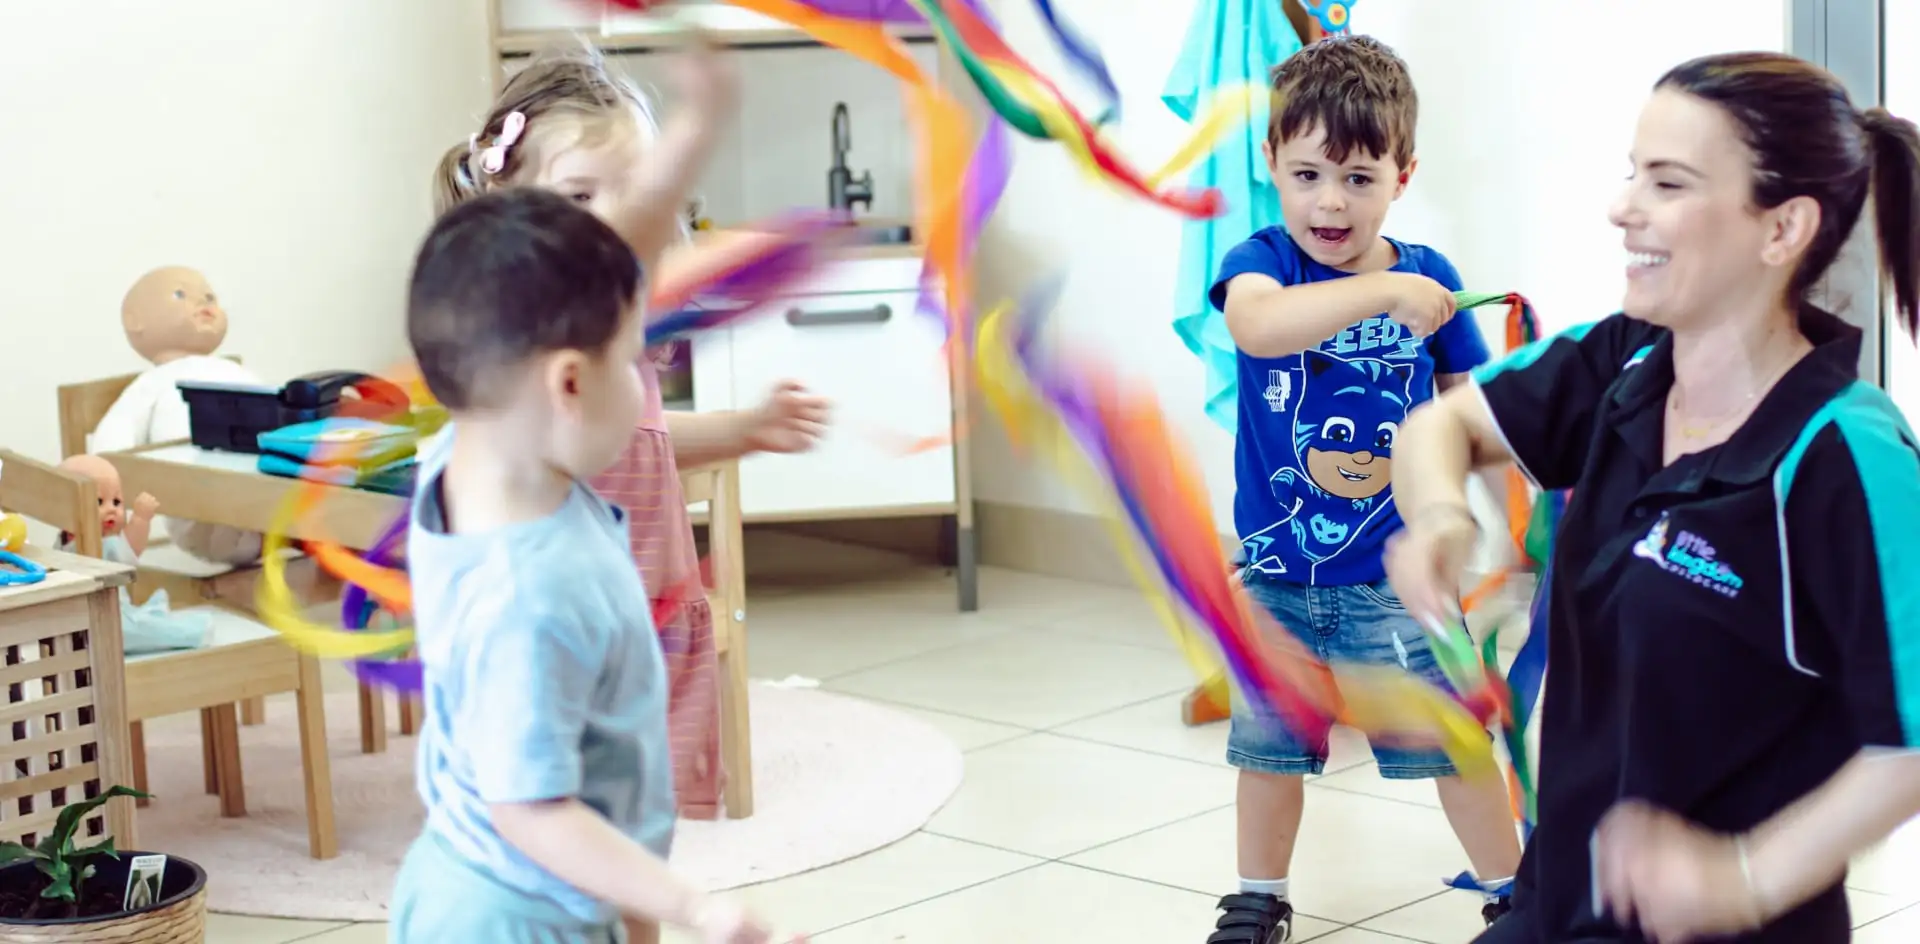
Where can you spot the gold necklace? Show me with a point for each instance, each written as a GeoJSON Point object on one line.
{"type": "Point", "coordinates": [1677, 407]}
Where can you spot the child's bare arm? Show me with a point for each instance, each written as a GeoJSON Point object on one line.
{"type": "Point", "coordinates": [700, 438]}
{"type": "Point", "coordinates": [1268, 319]}
{"type": "Point", "coordinates": [649, 216]}
{"type": "Point", "coordinates": [569, 839]}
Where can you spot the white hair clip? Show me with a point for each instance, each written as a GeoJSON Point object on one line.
{"type": "Point", "coordinates": [494, 159]}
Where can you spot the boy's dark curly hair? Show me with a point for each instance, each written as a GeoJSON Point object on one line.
{"type": "Point", "coordinates": [1356, 88]}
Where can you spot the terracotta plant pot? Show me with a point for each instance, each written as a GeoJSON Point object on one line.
{"type": "Point", "coordinates": [179, 917]}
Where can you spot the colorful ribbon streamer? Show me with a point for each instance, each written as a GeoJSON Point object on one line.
{"type": "Point", "coordinates": [1058, 402]}
{"type": "Point", "coordinates": [748, 271]}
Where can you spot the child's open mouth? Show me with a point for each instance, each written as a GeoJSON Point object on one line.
{"type": "Point", "coordinates": [1328, 236]}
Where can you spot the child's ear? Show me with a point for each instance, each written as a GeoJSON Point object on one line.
{"type": "Point", "coordinates": [1266, 154]}
{"type": "Point", "coordinates": [562, 378]}
{"type": "Point", "coordinates": [1406, 174]}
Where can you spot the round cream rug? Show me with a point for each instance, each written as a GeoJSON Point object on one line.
{"type": "Point", "coordinates": [834, 777]}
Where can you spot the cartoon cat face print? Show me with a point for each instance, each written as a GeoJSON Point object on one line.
{"type": "Point", "coordinates": [1349, 415]}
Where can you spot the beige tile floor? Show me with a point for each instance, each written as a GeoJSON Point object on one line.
{"type": "Point", "coordinates": [1088, 812]}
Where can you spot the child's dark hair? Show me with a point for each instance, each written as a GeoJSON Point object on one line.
{"type": "Point", "coordinates": [507, 276]}
{"type": "Point", "coordinates": [1807, 140]}
{"type": "Point", "coordinates": [1357, 89]}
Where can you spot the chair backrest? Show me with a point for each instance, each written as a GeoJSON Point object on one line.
{"type": "Point", "coordinates": [53, 497]}
{"type": "Point", "coordinates": [83, 404]}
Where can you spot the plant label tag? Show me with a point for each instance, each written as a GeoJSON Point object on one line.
{"type": "Point", "coordinates": [143, 881]}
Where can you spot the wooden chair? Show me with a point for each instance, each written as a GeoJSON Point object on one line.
{"type": "Point", "coordinates": [718, 487]}
{"type": "Point", "coordinates": [186, 580]}
{"type": "Point", "coordinates": [244, 661]}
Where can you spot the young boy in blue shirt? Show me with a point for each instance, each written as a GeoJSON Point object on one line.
{"type": "Point", "coordinates": [544, 765]}
{"type": "Point", "coordinates": [1341, 331]}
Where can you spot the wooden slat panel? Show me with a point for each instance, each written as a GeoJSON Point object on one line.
{"type": "Point", "coordinates": [44, 744]}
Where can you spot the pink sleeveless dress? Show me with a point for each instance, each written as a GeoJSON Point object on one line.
{"type": "Point", "coordinates": [646, 483]}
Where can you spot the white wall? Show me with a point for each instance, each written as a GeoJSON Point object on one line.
{"type": "Point", "coordinates": [1527, 111]}
{"type": "Point", "coordinates": [1902, 32]}
{"type": "Point", "coordinates": [285, 149]}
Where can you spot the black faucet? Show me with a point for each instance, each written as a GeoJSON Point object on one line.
{"type": "Point", "coordinates": [843, 189]}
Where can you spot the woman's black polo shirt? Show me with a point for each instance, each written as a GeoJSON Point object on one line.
{"type": "Point", "coordinates": [1723, 633]}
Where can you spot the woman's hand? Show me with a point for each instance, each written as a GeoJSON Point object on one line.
{"type": "Point", "coordinates": [791, 420]}
{"type": "Point", "coordinates": [1426, 560]}
{"type": "Point", "coordinates": [1674, 880]}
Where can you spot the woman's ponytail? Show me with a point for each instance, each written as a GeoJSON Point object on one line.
{"type": "Point", "coordinates": [453, 183]}
{"type": "Point", "coordinates": [1895, 143]}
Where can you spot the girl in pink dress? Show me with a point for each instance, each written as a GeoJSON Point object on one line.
{"type": "Point", "coordinates": [564, 122]}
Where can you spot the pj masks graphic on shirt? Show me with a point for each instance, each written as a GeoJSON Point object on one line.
{"type": "Point", "coordinates": [1346, 417]}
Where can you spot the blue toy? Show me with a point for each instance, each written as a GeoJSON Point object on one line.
{"type": "Point", "coordinates": [1334, 15]}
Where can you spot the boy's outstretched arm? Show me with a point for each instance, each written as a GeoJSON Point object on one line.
{"type": "Point", "coordinates": [1268, 319]}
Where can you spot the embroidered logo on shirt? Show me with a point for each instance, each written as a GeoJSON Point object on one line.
{"type": "Point", "coordinates": [1690, 556]}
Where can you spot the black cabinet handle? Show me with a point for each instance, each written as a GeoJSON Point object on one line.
{"type": "Point", "coordinates": [875, 314]}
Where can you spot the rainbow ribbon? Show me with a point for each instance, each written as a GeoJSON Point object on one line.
{"type": "Point", "coordinates": [1080, 405]}
{"type": "Point", "coordinates": [758, 266]}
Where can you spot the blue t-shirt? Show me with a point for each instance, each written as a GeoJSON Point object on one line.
{"type": "Point", "coordinates": [544, 681]}
{"type": "Point", "coordinates": [1313, 455]}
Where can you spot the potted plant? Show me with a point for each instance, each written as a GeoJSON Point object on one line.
{"type": "Point", "coordinates": [56, 892]}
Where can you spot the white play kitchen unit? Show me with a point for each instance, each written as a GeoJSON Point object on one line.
{"type": "Point", "coordinates": [854, 332]}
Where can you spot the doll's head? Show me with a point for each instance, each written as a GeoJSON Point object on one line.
{"type": "Point", "coordinates": [106, 479]}
{"type": "Point", "coordinates": [172, 313]}
{"type": "Point", "coordinates": [565, 123]}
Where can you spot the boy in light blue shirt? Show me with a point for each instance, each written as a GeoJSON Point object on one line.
{"type": "Point", "coordinates": [544, 766]}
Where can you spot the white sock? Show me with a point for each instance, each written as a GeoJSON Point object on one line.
{"type": "Point", "coordinates": [1498, 888]}
{"type": "Point", "coordinates": [1277, 887]}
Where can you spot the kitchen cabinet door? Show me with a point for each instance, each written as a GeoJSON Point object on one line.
{"type": "Point", "coordinates": [882, 365]}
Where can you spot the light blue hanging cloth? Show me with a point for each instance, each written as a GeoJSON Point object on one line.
{"type": "Point", "coordinates": [1229, 43]}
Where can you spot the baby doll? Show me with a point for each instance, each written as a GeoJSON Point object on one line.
{"type": "Point", "coordinates": [172, 318]}
{"type": "Point", "coordinates": [124, 532]}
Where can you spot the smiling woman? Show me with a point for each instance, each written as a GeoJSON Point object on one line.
{"type": "Point", "coordinates": [1735, 704]}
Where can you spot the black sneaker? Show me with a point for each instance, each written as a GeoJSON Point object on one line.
{"type": "Point", "coordinates": [1253, 919]}
{"type": "Point", "coordinates": [1497, 909]}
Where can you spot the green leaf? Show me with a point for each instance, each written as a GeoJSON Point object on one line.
{"type": "Point", "coordinates": [60, 884]}
{"type": "Point", "coordinates": [103, 847]}
{"type": "Point", "coordinates": [13, 852]}
{"type": "Point", "coordinates": [71, 815]}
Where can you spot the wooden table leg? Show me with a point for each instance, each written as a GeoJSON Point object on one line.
{"type": "Point", "coordinates": [253, 711]}
{"type": "Point", "coordinates": [736, 733]}
{"type": "Point", "coordinates": [209, 756]}
{"type": "Point", "coordinates": [373, 720]}
{"type": "Point", "coordinates": [226, 745]}
{"type": "Point", "coordinates": [311, 701]}
{"type": "Point", "coordinates": [410, 711]}
{"type": "Point", "coordinates": [137, 746]}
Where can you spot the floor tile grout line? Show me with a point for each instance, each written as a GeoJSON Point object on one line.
{"type": "Point", "coordinates": [1138, 833]}
{"type": "Point", "coordinates": [1321, 782]}
{"type": "Point", "coordinates": [930, 898]}
{"type": "Point", "coordinates": [890, 663]}
{"type": "Point", "coordinates": [337, 927]}
{"type": "Point", "coordinates": [1002, 630]}
{"type": "Point", "coordinates": [1913, 906]}
{"type": "Point", "coordinates": [1182, 888]}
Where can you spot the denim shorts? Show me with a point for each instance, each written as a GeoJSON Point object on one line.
{"type": "Point", "coordinates": [438, 896]}
{"type": "Point", "coordinates": [1359, 623]}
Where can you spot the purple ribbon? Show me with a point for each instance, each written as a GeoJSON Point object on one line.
{"type": "Point", "coordinates": [356, 608]}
